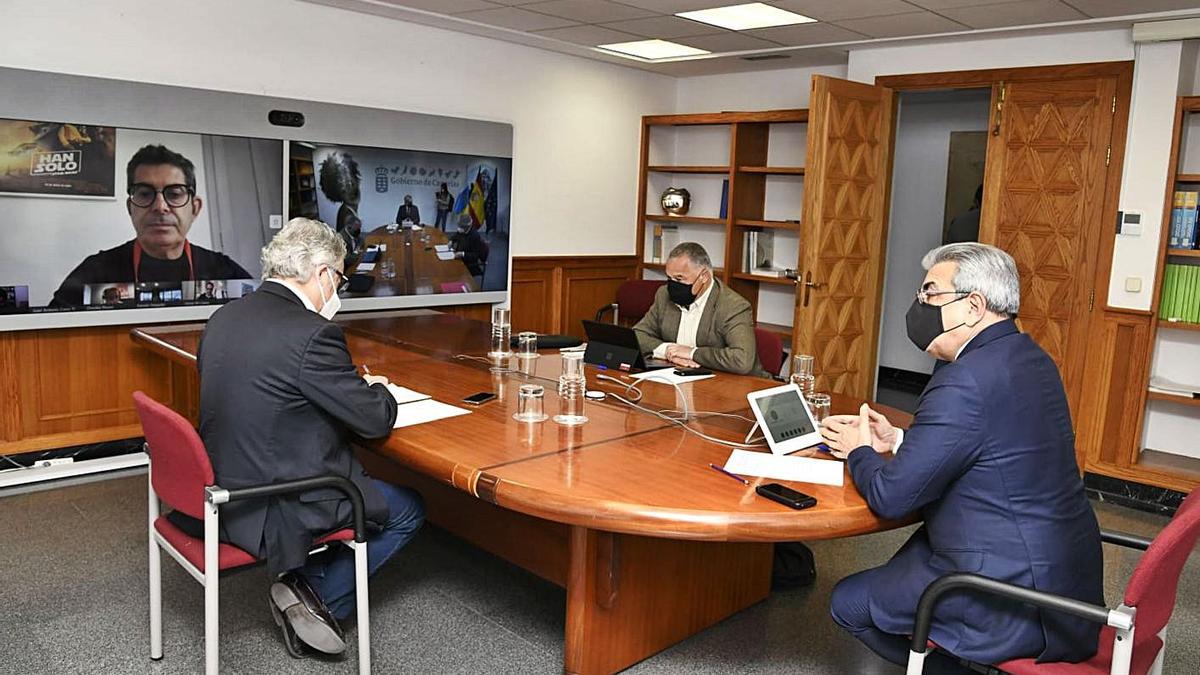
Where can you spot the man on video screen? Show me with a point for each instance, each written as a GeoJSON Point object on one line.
{"type": "Point", "coordinates": [162, 204]}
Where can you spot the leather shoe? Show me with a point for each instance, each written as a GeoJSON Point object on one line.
{"type": "Point", "coordinates": [303, 610]}
{"type": "Point", "coordinates": [295, 646]}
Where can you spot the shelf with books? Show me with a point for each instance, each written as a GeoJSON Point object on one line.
{"type": "Point", "coordinates": [1184, 252]}
{"type": "Point", "coordinates": [1173, 398]}
{"type": "Point", "coordinates": [779, 224]}
{"type": "Point", "coordinates": [1187, 178]}
{"type": "Point", "coordinates": [1178, 325]}
{"type": "Point", "coordinates": [750, 276]}
{"type": "Point", "coordinates": [687, 169]}
{"type": "Point", "coordinates": [773, 170]}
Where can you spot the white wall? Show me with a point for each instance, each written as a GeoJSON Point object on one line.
{"type": "Point", "coordinates": [761, 90]}
{"type": "Point", "coordinates": [918, 204]}
{"type": "Point", "coordinates": [575, 121]}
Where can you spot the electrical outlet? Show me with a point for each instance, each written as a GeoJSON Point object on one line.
{"type": "Point", "coordinates": [44, 463]}
{"type": "Point", "coordinates": [1133, 284]}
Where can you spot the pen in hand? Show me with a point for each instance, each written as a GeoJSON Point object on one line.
{"type": "Point", "coordinates": [734, 476]}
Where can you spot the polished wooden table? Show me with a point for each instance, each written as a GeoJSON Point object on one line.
{"type": "Point", "coordinates": [650, 543]}
{"type": "Point", "coordinates": [418, 270]}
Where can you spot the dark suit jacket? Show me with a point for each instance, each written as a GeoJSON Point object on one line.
{"type": "Point", "coordinates": [989, 462]}
{"type": "Point", "coordinates": [724, 340]}
{"type": "Point", "coordinates": [280, 400]}
{"type": "Point", "coordinates": [408, 212]}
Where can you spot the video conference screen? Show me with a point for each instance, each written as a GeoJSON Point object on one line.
{"type": "Point", "coordinates": [98, 218]}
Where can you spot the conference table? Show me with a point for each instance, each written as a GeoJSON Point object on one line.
{"type": "Point", "coordinates": [417, 270]}
{"type": "Point", "coordinates": [651, 544]}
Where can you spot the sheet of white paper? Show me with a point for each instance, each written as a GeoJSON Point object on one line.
{"type": "Point", "coordinates": [404, 394]}
{"type": "Point", "coordinates": [441, 248]}
{"type": "Point", "coordinates": [445, 255]}
{"type": "Point", "coordinates": [365, 267]}
{"type": "Point", "coordinates": [421, 412]}
{"type": "Point", "coordinates": [668, 376]}
{"type": "Point", "coordinates": [783, 467]}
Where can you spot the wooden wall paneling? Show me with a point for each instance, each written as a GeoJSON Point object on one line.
{"type": "Point", "coordinates": [1108, 424]}
{"type": "Point", "coordinates": [963, 79]}
{"type": "Point", "coordinates": [552, 294]}
{"type": "Point", "coordinates": [534, 305]}
{"type": "Point", "coordinates": [587, 288]}
{"type": "Point", "coordinates": [10, 392]}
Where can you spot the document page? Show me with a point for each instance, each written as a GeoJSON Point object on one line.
{"type": "Point", "coordinates": [445, 255]}
{"type": "Point", "coordinates": [429, 410]}
{"type": "Point", "coordinates": [404, 394]}
{"type": "Point", "coordinates": [668, 376]}
{"type": "Point", "coordinates": [783, 467]}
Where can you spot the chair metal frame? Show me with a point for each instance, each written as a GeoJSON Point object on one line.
{"type": "Point", "coordinates": [214, 496]}
{"type": "Point", "coordinates": [1122, 618]}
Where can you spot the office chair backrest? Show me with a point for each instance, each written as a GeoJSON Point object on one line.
{"type": "Point", "coordinates": [770, 351]}
{"type": "Point", "coordinates": [635, 296]}
{"type": "Point", "coordinates": [1155, 580]}
{"type": "Point", "coordinates": [179, 466]}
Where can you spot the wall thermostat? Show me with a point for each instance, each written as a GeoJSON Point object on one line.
{"type": "Point", "coordinates": [1129, 223]}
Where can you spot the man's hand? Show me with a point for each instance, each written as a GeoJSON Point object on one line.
{"type": "Point", "coordinates": [375, 379]}
{"type": "Point", "coordinates": [681, 355]}
{"type": "Point", "coordinates": [842, 433]}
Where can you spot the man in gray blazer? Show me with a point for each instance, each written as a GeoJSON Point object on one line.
{"type": "Point", "coordinates": [698, 321]}
{"type": "Point", "coordinates": [280, 399]}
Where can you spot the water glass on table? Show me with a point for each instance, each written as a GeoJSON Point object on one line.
{"type": "Point", "coordinates": [819, 404]}
{"type": "Point", "coordinates": [501, 330]}
{"type": "Point", "coordinates": [530, 403]}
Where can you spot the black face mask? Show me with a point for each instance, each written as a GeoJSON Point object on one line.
{"type": "Point", "coordinates": [924, 323]}
{"type": "Point", "coordinates": [680, 293]}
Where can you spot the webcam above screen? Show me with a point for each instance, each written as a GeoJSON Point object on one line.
{"type": "Point", "coordinates": [128, 214]}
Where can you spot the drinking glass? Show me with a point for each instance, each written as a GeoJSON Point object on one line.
{"type": "Point", "coordinates": [802, 374]}
{"type": "Point", "coordinates": [501, 330]}
{"type": "Point", "coordinates": [387, 269]}
{"type": "Point", "coordinates": [392, 227]}
{"type": "Point", "coordinates": [530, 403]}
{"type": "Point", "coordinates": [819, 405]}
{"type": "Point", "coordinates": [572, 385]}
{"type": "Point", "coordinates": [527, 345]}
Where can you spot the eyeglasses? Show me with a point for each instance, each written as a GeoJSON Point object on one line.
{"type": "Point", "coordinates": [923, 295]}
{"type": "Point", "coordinates": [143, 194]}
{"type": "Point", "coordinates": [343, 280]}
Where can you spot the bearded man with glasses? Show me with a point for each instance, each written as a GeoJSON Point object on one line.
{"type": "Point", "coordinates": [162, 204]}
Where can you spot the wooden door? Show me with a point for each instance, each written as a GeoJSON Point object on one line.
{"type": "Point", "coordinates": [1043, 200]}
{"type": "Point", "coordinates": [843, 235]}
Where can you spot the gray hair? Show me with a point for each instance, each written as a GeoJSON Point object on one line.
{"type": "Point", "coordinates": [300, 247]}
{"type": "Point", "coordinates": [692, 251]}
{"type": "Point", "coordinates": [982, 269]}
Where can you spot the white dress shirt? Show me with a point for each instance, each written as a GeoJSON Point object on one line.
{"type": "Point", "coordinates": [689, 323]}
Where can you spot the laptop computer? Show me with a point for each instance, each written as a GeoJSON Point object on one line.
{"type": "Point", "coordinates": [616, 347]}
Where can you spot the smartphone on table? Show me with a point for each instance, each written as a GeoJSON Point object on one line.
{"type": "Point", "coordinates": [479, 398]}
{"type": "Point", "coordinates": [786, 496]}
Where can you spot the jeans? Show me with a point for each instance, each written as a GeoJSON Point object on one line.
{"type": "Point", "coordinates": [850, 607]}
{"type": "Point", "coordinates": [331, 574]}
{"type": "Point", "coordinates": [441, 219]}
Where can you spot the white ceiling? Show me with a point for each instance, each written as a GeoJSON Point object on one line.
{"type": "Point", "coordinates": [577, 26]}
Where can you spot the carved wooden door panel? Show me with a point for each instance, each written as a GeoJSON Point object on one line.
{"type": "Point", "coordinates": [843, 235]}
{"type": "Point", "coordinates": [1043, 200]}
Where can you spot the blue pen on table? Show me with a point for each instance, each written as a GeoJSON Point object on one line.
{"type": "Point", "coordinates": [821, 447]}
{"type": "Point", "coordinates": [734, 476]}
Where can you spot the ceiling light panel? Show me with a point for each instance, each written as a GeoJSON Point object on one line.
{"type": "Point", "coordinates": [652, 49]}
{"type": "Point", "coordinates": [746, 17]}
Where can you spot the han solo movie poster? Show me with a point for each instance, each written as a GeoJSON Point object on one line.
{"type": "Point", "coordinates": [53, 158]}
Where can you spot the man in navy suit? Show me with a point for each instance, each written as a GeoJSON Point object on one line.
{"type": "Point", "coordinates": [989, 465]}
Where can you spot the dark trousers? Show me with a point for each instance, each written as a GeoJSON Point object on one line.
{"type": "Point", "coordinates": [331, 574]}
{"type": "Point", "coordinates": [851, 609]}
{"type": "Point", "coordinates": [440, 223]}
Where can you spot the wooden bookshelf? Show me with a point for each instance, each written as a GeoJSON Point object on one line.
{"type": "Point", "coordinates": [1187, 177]}
{"type": "Point", "coordinates": [1178, 325]}
{"type": "Point", "coordinates": [784, 332]}
{"type": "Point", "coordinates": [1184, 252]}
{"type": "Point", "coordinates": [773, 170]}
{"type": "Point", "coordinates": [778, 224]}
{"type": "Point", "coordinates": [688, 169]}
{"type": "Point", "coordinates": [1181, 399]}
{"type": "Point", "coordinates": [693, 220]}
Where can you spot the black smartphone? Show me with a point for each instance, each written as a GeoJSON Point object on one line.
{"type": "Point", "coordinates": [692, 371]}
{"type": "Point", "coordinates": [786, 496]}
{"type": "Point", "coordinates": [481, 397]}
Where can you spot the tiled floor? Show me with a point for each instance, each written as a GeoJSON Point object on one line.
{"type": "Point", "coordinates": [74, 600]}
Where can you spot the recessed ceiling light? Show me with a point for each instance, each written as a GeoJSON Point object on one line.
{"type": "Point", "coordinates": [652, 49]}
{"type": "Point", "coordinates": [746, 17]}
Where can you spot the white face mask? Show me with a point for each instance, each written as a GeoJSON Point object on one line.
{"type": "Point", "coordinates": [331, 306]}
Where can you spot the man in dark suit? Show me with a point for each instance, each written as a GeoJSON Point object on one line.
{"type": "Point", "coordinates": [408, 212]}
{"type": "Point", "coordinates": [989, 465]}
{"type": "Point", "coordinates": [698, 321]}
{"type": "Point", "coordinates": [280, 400]}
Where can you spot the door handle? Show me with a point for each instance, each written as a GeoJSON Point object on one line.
{"type": "Point", "coordinates": [809, 286]}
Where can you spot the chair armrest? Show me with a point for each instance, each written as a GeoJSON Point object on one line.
{"type": "Point", "coordinates": [1121, 619]}
{"type": "Point", "coordinates": [217, 495]}
{"type": "Point", "coordinates": [1124, 539]}
{"type": "Point", "coordinates": [600, 312]}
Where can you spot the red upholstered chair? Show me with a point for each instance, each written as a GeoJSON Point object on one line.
{"type": "Point", "coordinates": [181, 476]}
{"type": "Point", "coordinates": [634, 298]}
{"type": "Point", "coordinates": [770, 351]}
{"type": "Point", "coordinates": [1132, 641]}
